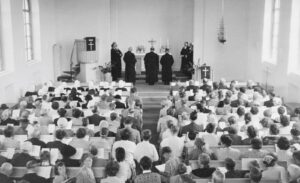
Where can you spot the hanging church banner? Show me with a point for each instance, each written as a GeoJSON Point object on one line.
{"type": "Point", "coordinates": [205, 72]}
{"type": "Point", "coordinates": [90, 43]}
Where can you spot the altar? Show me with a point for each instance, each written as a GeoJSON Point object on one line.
{"type": "Point", "coordinates": [140, 66]}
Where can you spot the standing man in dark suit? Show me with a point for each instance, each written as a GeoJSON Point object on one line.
{"type": "Point", "coordinates": [152, 66]}
{"type": "Point", "coordinates": [130, 61]}
{"type": "Point", "coordinates": [116, 65]}
{"type": "Point", "coordinates": [166, 62]}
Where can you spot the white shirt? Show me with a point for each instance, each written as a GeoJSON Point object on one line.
{"type": "Point", "coordinates": [124, 172]}
{"type": "Point", "coordinates": [145, 148]}
{"type": "Point", "coordinates": [129, 148]}
{"type": "Point", "coordinates": [285, 130]}
{"type": "Point", "coordinates": [175, 143]}
{"type": "Point", "coordinates": [167, 133]}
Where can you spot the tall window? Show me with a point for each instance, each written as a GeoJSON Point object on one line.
{"type": "Point", "coordinates": [1, 55]}
{"type": "Point", "coordinates": [270, 31]}
{"type": "Point", "coordinates": [294, 53]}
{"type": "Point", "coordinates": [27, 14]}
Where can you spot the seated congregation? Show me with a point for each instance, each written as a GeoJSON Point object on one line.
{"type": "Point", "coordinates": [215, 132]}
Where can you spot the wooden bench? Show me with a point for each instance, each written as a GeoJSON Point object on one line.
{"type": "Point", "coordinates": [245, 148]}
{"type": "Point", "coordinates": [238, 164]}
{"type": "Point", "coordinates": [235, 181]}
{"type": "Point", "coordinates": [19, 172]}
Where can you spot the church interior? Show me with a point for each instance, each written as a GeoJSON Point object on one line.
{"type": "Point", "coordinates": [71, 69]}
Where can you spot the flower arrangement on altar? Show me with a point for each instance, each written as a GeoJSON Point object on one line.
{"type": "Point", "coordinates": [106, 68]}
{"type": "Point", "coordinates": [140, 49]}
{"type": "Point", "coordinates": [162, 49]}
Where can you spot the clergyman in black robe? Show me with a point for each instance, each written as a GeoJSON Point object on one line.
{"type": "Point", "coordinates": [151, 65]}
{"type": "Point", "coordinates": [184, 54]}
{"type": "Point", "coordinates": [190, 62]}
{"type": "Point", "coordinates": [166, 62]}
{"type": "Point", "coordinates": [130, 60]}
{"type": "Point", "coordinates": [116, 65]}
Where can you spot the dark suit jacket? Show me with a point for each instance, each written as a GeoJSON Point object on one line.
{"type": "Point", "coordinates": [120, 105]}
{"type": "Point", "coordinates": [95, 119]}
{"type": "Point", "coordinates": [235, 174]}
{"type": "Point", "coordinates": [236, 139]}
{"type": "Point", "coordinates": [2, 160]}
{"type": "Point", "coordinates": [56, 144]}
{"type": "Point", "coordinates": [269, 103]}
{"type": "Point", "coordinates": [5, 179]}
{"type": "Point", "coordinates": [37, 142]}
{"type": "Point", "coordinates": [191, 127]}
{"type": "Point", "coordinates": [34, 178]}
{"type": "Point", "coordinates": [203, 172]}
{"type": "Point", "coordinates": [71, 162]}
{"type": "Point", "coordinates": [20, 159]}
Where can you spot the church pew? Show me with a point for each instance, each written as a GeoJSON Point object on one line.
{"type": "Point", "coordinates": [245, 148]}
{"type": "Point", "coordinates": [245, 180]}
{"type": "Point", "coordinates": [238, 164]}
{"type": "Point", "coordinates": [19, 172]}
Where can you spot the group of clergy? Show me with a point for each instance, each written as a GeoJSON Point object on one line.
{"type": "Point", "coordinates": [151, 61]}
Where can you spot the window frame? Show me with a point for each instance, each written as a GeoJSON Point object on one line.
{"type": "Point", "coordinates": [271, 31]}
{"type": "Point", "coordinates": [294, 42]}
{"type": "Point", "coordinates": [28, 30]}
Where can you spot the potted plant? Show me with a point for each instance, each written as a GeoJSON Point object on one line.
{"type": "Point", "coordinates": [106, 70]}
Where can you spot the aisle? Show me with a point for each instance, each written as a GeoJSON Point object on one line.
{"type": "Point", "coordinates": [152, 97]}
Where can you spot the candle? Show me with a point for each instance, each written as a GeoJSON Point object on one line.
{"type": "Point", "coordinates": [167, 43]}
{"type": "Point", "coordinates": [159, 44]}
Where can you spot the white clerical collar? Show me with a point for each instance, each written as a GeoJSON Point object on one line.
{"type": "Point", "coordinates": [147, 171]}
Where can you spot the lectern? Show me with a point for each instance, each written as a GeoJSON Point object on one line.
{"type": "Point", "coordinates": [88, 56]}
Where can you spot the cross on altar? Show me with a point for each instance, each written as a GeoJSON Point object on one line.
{"type": "Point", "coordinates": [152, 41]}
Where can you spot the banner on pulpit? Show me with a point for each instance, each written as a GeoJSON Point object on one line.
{"type": "Point", "coordinates": [90, 43]}
{"type": "Point", "coordinates": [205, 72]}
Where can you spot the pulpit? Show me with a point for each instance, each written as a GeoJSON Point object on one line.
{"type": "Point", "coordinates": [202, 72]}
{"type": "Point", "coordinates": [88, 56]}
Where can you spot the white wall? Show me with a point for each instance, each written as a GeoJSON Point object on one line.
{"type": "Point", "coordinates": [76, 19]}
{"type": "Point", "coordinates": [227, 60]}
{"type": "Point", "coordinates": [135, 22]}
{"type": "Point", "coordinates": [24, 74]}
{"type": "Point", "coordinates": [287, 85]}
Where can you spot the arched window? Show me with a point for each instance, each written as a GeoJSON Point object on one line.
{"type": "Point", "coordinates": [294, 48]}
{"type": "Point", "coordinates": [27, 15]}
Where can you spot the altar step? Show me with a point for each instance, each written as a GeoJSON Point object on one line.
{"type": "Point", "coordinates": [177, 76]}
